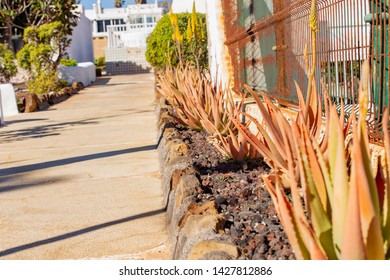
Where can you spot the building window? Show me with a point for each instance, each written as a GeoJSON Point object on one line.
{"type": "Point", "coordinates": [140, 20]}
{"type": "Point", "coordinates": [118, 22]}
{"type": "Point", "coordinates": [100, 26]}
{"type": "Point", "coordinates": [136, 20]}
{"type": "Point", "coordinates": [107, 22]}
{"type": "Point", "coordinates": [149, 20]}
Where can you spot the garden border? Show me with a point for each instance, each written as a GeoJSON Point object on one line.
{"type": "Point", "coordinates": [195, 230]}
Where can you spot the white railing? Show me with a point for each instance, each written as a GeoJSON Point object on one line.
{"type": "Point", "coordinates": [129, 35]}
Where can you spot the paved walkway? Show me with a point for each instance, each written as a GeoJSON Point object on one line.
{"type": "Point", "coordinates": [81, 180]}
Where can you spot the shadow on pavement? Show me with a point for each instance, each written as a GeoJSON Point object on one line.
{"type": "Point", "coordinates": [79, 232]}
{"type": "Point", "coordinates": [22, 121]}
{"type": "Point", "coordinates": [31, 184]}
{"type": "Point", "coordinates": [38, 131]}
{"type": "Point", "coordinates": [66, 161]}
{"type": "Point", "coordinates": [46, 130]}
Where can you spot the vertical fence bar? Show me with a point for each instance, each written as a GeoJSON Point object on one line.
{"type": "Point", "coordinates": [347, 37]}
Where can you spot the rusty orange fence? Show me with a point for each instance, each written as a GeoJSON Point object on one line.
{"type": "Point", "coordinates": [266, 41]}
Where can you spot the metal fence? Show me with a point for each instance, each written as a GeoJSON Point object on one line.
{"type": "Point", "coordinates": [125, 61]}
{"type": "Point", "coordinates": [125, 53]}
{"type": "Point", "coordinates": [266, 40]}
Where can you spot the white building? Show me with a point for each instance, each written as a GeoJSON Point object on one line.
{"type": "Point", "coordinates": [122, 27]}
{"type": "Point", "coordinates": [81, 48]}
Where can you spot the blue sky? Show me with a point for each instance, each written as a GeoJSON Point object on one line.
{"type": "Point", "coordinates": [106, 3]}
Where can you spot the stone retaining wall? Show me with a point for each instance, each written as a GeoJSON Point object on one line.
{"type": "Point", "coordinates": [29, 102]}
{"type": "Point", "coordinates": [196, 230]}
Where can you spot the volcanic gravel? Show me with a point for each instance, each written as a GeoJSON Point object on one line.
{"type": "Point", "coordinates": [237, 189]}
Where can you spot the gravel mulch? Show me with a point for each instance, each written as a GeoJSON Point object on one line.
{"type": "Point", "coordinates": [236, 187]}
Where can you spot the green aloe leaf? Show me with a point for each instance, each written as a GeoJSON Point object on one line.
{"type": "Point", "coordinates": [339, 176]}
{"type": "Point", "coordinates": [321, 224]}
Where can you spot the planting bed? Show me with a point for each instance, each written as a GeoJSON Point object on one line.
{"type": "Point", "coordinates": [250, 217]}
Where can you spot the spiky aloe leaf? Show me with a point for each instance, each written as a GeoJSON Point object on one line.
{"type": "Point", "coordinates": [380, 182]}
{"type": "Point", "coordinates": [260, 146]}
{"type": "Point", "coordinates": [287, 218]}
{"type": "Point", "coordinates": [274, 131]}
{"type": "Point", "coordinates": [307, 163]}
{"type": "Point", "coordinates": [339, 176]}
{"type": "Point", "coordinates": [305, 230]}
{"type": "Point", "coordinates": [368, 200]}
{"type": "Point", "coordinates": [386, 201]}
{"type": "Point", "coordinates": [269, 149]}
{"type": "Point", "coordinates": [353, 247]}
{"type": "Point", "coordinates": [367, 189]}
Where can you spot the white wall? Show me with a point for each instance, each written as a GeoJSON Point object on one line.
{"type": "Point", "coordinates": [179, 6]}
{"type": "Point", "coordinates": [84, 72]}
{"type": "Point", "coordinates": [219, 59]}
{"type": "Point", "coordinates": [81, 48]}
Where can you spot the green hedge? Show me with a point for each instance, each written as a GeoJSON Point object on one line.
{"type": "Point", "coordinates": [161, 49]}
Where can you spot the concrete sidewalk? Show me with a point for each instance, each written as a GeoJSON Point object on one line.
{"type": "Point", "coordinates": [81, 180]}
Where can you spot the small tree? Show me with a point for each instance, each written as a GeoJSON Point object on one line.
{"type": "Point", "coordinates": [22, 13]}
{"type": "Point", "coordinates": [41, 55]}
{"type": "Point", "coordinates": [46, 11]}
{"type": "Point", "coordinates": [8, 67]}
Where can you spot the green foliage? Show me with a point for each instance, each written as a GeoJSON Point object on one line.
{"type": "Point", "coordinates": [162, 50]}
{"type": "Point", "coordinates": [100, 62]}
{"type": "Point", "coordinates": [42, 12]}
{"type": "Point", "coordinates": [44, 48]}
{"type": "Point", "coordinates": [45, 82]}
{"type": "Point", "coordinates": [8, 67]}
{"type": "Point", "coordinates": [22, 13]}
{"type": "Point", "coordinates": [42, 53]}
{"type": "Point", "coordinates": [68, 62]}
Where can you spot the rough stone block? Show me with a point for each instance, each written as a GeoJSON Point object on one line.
{"type": "Point", "coordinates": [213, 250]}
{"type": "Point", "coordinates": [197, 228]}
{"type": "Point", "coordinates": [209, 207]}
{"type": "Point", "coordinates": [177, 150]}
{"type": "Point", "coordinates": [185, 188]}
{"type": "Point", "coordinates": [29, 100]}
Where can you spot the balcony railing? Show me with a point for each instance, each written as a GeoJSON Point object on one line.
{"type": "Point", "coordinates": [129, 35]}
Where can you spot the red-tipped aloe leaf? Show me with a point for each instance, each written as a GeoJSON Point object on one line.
{"type": "Point", "coordinates": [386, 205]}
{"type": "Point", "coordinates": [286, 216]}
{"type": "Point", "coordinates": [320, 221]}
{"type": "Point", "coordinates": [339, 177]}
{"type": "Point", "coordinates": [353, 247]}
{"type": "Point", "coordinates": [368, 197]}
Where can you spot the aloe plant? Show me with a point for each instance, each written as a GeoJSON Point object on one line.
{"type": "Point", "coordinates": [198, 103]}
{"type": "Point", "coordinates": [274, 129]}
{"type": "Point", "coordinates": [235, 145]}
{"type": "Point", "coordinates": [344, 215]}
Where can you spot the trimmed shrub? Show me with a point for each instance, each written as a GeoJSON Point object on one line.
{"type": "Point", "coordinates": [162, 50]}
{"type": "Point", "coordinates": [41, 55]}
{"type": "Point", "coordinates": [8, 67]}
{"type": "Point", "coordinates": [46, 82]}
